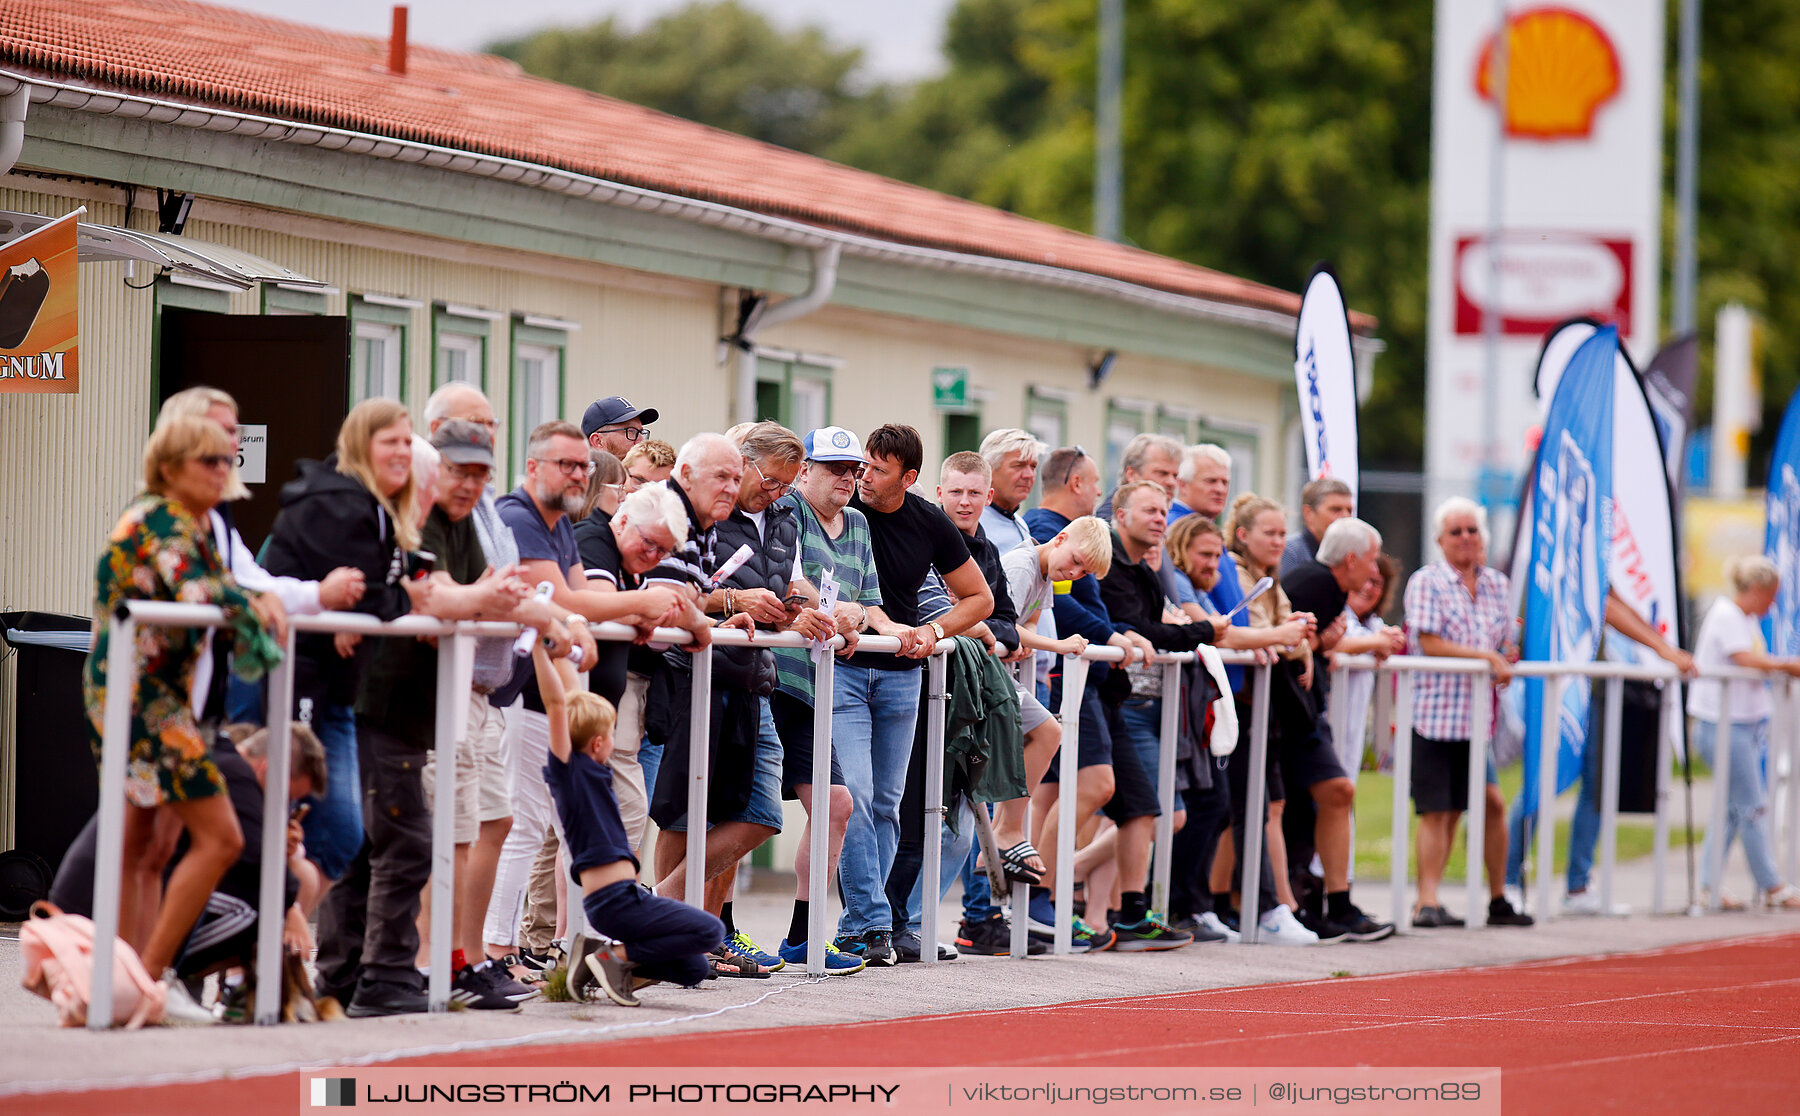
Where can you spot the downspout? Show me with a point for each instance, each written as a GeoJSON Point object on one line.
{"type": "Point", "coordinates": [12, 125]}
{"type": "Point", "coordinates": [824, 281]}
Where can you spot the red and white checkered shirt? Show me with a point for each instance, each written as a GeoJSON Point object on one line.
{"type": "Point", "coordinates": [1438, 603]}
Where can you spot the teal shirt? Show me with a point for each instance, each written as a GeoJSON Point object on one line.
{"type": "Point", "coordinates": [851, 560]}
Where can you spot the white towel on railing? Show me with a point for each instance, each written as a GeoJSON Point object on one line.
{"type": "Point", "coordinates": [1225, 723]}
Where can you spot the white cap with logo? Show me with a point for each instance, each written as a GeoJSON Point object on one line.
{"type": "Point", "coordinates": [833, 443]}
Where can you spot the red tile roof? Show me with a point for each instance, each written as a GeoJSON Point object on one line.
{"type": "Point", "coordinates": [231, 59]}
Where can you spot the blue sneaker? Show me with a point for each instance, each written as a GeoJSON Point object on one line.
{"type": "Point", "coordinates": [837, 962]}
{"type": "Point", "coordinates": [742, 945]}
{"type": "Point", "coordinates": [1082, 937]}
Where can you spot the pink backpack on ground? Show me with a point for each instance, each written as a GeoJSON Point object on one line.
{"type": "Point", "coordinates": [58, 953]}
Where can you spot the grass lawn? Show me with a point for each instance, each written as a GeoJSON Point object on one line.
{"type": "Point", "coordinates": [1374, 829]}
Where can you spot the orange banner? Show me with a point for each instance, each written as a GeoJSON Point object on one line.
{"type": "Point", "coordinates": [40, 332]}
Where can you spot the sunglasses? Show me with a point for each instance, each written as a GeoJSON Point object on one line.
{"type": "Point", "coordinates": [851, 469]}
{"type": "Point", "coordinates": [216, 460]}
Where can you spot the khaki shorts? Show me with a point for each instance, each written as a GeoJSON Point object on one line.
{"type": "Point", "coordinates": [480, 772]}
{"type": "Point", "coordinates": [628, 773]}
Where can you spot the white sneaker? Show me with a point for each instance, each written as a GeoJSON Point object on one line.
{"type": "Point", "coordinates": [179, 1007]}
{"type": "Point", "coordinates": [1211, 922]}
{"type": "Point", "coordinates": [947, 951]}
{"type": "Point", "coordinates": [1280, 927]}
{"type": "Point", "coordinates": [1588, 903]}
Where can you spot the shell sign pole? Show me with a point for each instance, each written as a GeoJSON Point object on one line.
{"type": "Point", "coordinates": [40, 334]}
{"type": "Point", "coordinates": [1576, 229]}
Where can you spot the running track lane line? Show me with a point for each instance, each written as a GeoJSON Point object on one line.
{"type": "Point", "coordinates": [1686, 1028]}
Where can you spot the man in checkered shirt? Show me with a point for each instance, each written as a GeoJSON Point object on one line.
{"type": "Point", "coordinates": [1456, 608]}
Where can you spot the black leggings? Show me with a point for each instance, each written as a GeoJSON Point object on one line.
{"type": "Point", "coordinates": [665, 939]}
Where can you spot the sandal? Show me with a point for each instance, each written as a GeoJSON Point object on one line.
{"type": "Point", "coordinates": [732, 965]}
{"type": "Point", "coordinates": [1784, 898]}
{"type": "Point", "coordinates": [1727, 901]}
{"type": "Point", "coordinates": [1013, 864]}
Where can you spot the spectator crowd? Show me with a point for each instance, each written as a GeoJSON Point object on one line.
{"type": "Point", "coordinates": [1006, 560]}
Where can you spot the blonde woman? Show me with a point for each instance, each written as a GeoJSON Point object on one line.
{"type": "Point", "coordinates": [357, 508]}
{"type": "Point", "coordinates": [161, 549]}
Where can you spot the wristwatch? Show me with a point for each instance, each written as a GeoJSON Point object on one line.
{"type": "Point", "coordinates": [936, 627]}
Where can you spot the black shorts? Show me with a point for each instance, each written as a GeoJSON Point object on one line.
{"type": "Point", "coordinates": [1310, 760]}
{"type": "Point", "coordinates": [1440, 775]}
{"type": "Point", "coordinates": [1134, 792]}
{"type": "Point", "coordinates": [1094, 747]}
{"type": "Point", "coordinates": [794, 724]}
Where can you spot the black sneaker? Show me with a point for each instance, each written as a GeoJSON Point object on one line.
{"type": "Point", "coordinates": [1202, 933]}
{"type": "Point", "coordinates": [1501, 913]}
{"type": "Point", "coordinates": [878, 947]}
{"type": "Point", "coordinates": [909, 948]}
{"type": "Point", "coordinates": [1356, 926]}
{"type": "Point", "coordinates": [992, 937]}
{"type": "Point", "coordinates": [503, 983]}
{"type": "Point", "coordinates": [540, 962]}
{"type": "Point", "coordinates": [475, 988]}
{"type": "Point", "coordinates": [1327, 930]}
{"type": "Point", "coordinates": [384, 997]}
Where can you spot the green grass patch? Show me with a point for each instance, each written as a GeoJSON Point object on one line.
{"type": "Point", "coordinates": [1375, 826]}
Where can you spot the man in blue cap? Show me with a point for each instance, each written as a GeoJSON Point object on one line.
{"type": "Point", "coordinates": [615, 425]}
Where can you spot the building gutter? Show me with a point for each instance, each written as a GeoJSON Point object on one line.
{"type": "Point", "coordinates": [13, 106]}
{"type": "Point", "coordinates": [762, 315]}
{"type": "Point", "coordinates": [711, 214]}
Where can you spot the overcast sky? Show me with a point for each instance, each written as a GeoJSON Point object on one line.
{"type": "Point", "coordinates": [899, 40]}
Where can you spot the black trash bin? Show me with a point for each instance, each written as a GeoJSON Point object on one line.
{"type": "Point", "coordinates": [56, 785]}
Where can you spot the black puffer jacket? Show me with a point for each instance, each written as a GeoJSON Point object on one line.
{"type": "Point", "coordinates": [329, 520]}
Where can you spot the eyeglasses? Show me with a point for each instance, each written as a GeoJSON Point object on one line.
{"type": "Point", "coordinates": [462, 474]}
{"type": "Point", "coordinates": [629, 433]}
{"type": "Point", "coordinates": [616, 489]}
{"type": "Point", "coordinates": [777, 488]}
{"type": "Point", "coordinates": [1458, 532]}
{"type": "Point", "coordinates": [851, 469]}
{"type": "Point", "coordinates": [571, 468]}
{"type": "Point", "coordinates": [215, 460]}
{"type": "Point", "coordinates": [654, 550]}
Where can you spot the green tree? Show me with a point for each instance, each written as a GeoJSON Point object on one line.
{"type": "Point", "coordinates": [720, 63]}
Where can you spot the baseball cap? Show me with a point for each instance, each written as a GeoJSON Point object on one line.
{"type": "Point", "coordinates": [833, 443]}
{"type": "Point", "coordinates": [612, 410]}
{"type": "Point", "coordinates": [465, 443]}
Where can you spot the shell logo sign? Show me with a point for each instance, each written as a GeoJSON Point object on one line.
{"type": "Point", "coordinates": [1560, 69]}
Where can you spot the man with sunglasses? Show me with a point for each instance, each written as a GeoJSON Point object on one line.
{"type": "Point", "coordinates": [614, 425]}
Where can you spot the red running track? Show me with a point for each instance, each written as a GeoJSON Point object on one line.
{"type": "Point", "coordinates": [1710, 1027]}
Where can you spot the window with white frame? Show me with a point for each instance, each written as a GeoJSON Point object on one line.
{"type": "Point", "coordinates": [1047, 416]}
{"type": "Point", "coordinates": [460, 359]}
{"type": "Point", "coordinates": [539, 358]}
{"type": "Point", "coordinates": [794, 389]}
{"type": "Point", "coordinates": [378, 361]}
{"type": "Point", "coordinates": [1125, 420]}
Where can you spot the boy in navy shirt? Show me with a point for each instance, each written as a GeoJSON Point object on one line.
{"type": "Point", "coordinates": [656, 939]}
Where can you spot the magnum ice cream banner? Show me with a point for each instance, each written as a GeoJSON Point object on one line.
{"type": "Point", "coordinates": [40, 336]}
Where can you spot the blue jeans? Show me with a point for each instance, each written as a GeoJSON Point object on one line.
{"type": "Point", "coordinates": [1143, 723]}
{"type": "Point", "coordinates": [873, 712]}
{"type": "Point", "coordinates": [334, 827]}
{"type": "Point", "coordinates": [1584, 830]}
{"type": "Point", "coordinates": [1746, 802]}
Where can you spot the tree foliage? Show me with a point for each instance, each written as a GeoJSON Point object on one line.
{"type": "Point", "coordinates": [1260, 136]}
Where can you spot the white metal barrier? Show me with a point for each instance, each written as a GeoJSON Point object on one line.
{"type": "Point", "coordinates": [453, 684]}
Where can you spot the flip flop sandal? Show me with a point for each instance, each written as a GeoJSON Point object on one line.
{"type": "Point", "coordinates": [1013, 864]}
{"type": "Point", "coordinates": [731, 965]}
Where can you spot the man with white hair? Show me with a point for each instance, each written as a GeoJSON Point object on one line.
{"type": "Point", "coordinates": [1321, 585]}
{"type": "Point", "coordinates": [1458, 607]}
{"type": "Point", "coordinates": [1148, 457]}
{"type": "Point", "coordinates": [1202, 483]}
{"type": "Point", "coordinates": [1012, 455]}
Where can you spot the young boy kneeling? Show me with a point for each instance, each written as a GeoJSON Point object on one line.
{"type": "Point", "coordinates": [657, 939]}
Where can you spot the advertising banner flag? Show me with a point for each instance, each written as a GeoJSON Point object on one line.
{"type": "Point", "coordinates": [1325, 376]}
{"type": "Point", "coordinates": [1570, 547]}
{"type": "Point", "coordinates": [1670, 378]}
{"type": "Point", "coordinates": [40, 337]}
{"type": "Point", "coordinates": [1781, 543]}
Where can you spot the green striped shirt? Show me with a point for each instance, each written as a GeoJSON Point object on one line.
{"type": "Point", "coordinates": [850, 560]}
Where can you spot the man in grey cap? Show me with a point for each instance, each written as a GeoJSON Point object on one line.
{"type": "Point", "coordinates": [614, 424]}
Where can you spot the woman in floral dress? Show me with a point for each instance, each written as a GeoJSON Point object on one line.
{"type": "Point", "coordinates": [161, 549]}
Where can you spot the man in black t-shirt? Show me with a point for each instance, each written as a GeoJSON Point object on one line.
{"type": "Point", "coordinates": [877, 695]}
{"type": "Point", "coordinates": [1321, 585]}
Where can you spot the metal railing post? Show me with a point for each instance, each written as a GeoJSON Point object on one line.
{"type": "Point", "coordinates": [699, 749]}
{"type": "Point", "coordinates": [1337, 717]}
{"type": "Point", "coordinates": [452, 720]}
{"type": "Point", "coordinates": [1481, 725]}
{"type": "Point", "coordinates": [1165, 787]}
{"type": "Point", "coordinates": [819, 854]}
{"type": "Point", "coordinates": [272, 891]}
{"type": "Point", "coordinates": [1721, 803]}
{"type": "Point", "coordinates": [1669, 710]}
{"type": "Point", "coordinates": [1074, 683]}
{"type": "Point", "coordinates": [1549, 747]}
{"type": "Point", "coordinates": [1400, 858]}
{"type": "Point", "coordinates": [1256, 797]}
{"type": "Point", "coordinates": [936, 674]}
{"type": "Point", "coordinates": [1609, 791]}
{"type": "Point", "coordinates": [1790, 737]}
{"type": "Point", "coordinates": [109, 846]}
